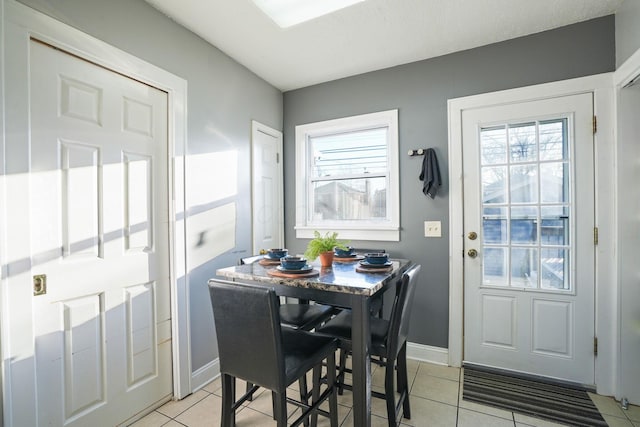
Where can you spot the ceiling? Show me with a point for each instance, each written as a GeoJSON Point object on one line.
{"type": "Point", "coordinates": [368, 36]}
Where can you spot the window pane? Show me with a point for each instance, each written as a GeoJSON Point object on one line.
{"type": "Point", "coordinates": [494, 225]}
{"type": "Point", "coordinates": [493, 144]}
{"type": "Point", "coordinates": [524, 184]}
{"type": "Point", "coordinates": [494, 184]}
{"type": "Point", "coordinates": [555, 271]}
{"type": "Point", "coordinates": [553, 140]}
{"type": "Point", "coordinates": [554, 229]}
{"type": "Point", "coordinates": [350, 153]}
{"type": "Point", "coordinates": [494, 267]}
{"type": "Point", "coordinates": [524, 225]}
{"type": "Point", "coordinates": [524, 267]}
{"type": "Point", "coordinates": [350, 199]}
{"type": "Point", "coordinates": [554, 182]}
{"type": "Point", "coordinates": [522, 142]}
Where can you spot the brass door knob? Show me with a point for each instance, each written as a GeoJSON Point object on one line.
{"type": "Point", "coordinates": [472, 235]}
{"type": "Point", "coordinates": [472, 253]}
{"type": "Point", "coordinates": [39, 284]}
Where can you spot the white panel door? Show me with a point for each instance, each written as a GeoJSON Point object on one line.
{"type": "Point", "coordinates": [98, 230]}
{"type": "Point", "coordinates": [266, 188]}
{"type": "Point", "coordinates": [529, 244]}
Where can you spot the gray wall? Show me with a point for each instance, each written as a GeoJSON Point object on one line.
{"type": "Point", "coordinates": [223, 98]}
{"type": "Point", "coordinates": [627, 30]}
{"type": "Point", "coordinates": [420, 91]}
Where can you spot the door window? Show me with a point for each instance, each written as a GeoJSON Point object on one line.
{"type": "Point", "coordinates": [526, 205]}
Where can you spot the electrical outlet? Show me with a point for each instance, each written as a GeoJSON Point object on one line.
{"type": "Point", "coordinates": [432, 229]}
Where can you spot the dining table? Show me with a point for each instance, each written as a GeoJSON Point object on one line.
{"type": "Point", "coordinates": [346, 284]}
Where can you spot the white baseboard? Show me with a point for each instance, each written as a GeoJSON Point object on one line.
{"type": "Point", "coordinates": [427, 353]}
{"type": "Point", "coordinates": [421, 352]}
{"type": "Point", "coordinates": [205, 375]}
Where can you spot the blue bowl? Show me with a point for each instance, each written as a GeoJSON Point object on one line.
{"type": "Point", "coordinates": [376, 258]}
{"type": "Point", "coordinates": [344, 252]}
{"type": "Point", "coordinates": [277, 253]}
{"type": "Point", "coordinates": [293, 262]}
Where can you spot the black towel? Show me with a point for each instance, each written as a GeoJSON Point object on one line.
{"type": "Point", "coordinates": [430, 174]}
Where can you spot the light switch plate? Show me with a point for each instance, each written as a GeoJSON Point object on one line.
{"type": "Point", "coordinates": [432, 229]}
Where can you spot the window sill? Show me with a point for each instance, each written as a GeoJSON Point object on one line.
{"type": "Point", "coordinates": [373, 234]}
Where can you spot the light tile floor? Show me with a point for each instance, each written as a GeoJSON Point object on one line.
{"type": "Point", "coordinates": [436, 400]}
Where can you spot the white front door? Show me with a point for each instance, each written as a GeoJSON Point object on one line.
{"type": "Point", "coordinates": [266, 188]}
{"type": "Point", "coordinates": [97, 228]}
{"type": "Point", "coordinates": [529, 237]}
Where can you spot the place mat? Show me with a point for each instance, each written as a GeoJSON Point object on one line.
{"type": "Point", "coordinates": [363, 269]}
{"type": "Point", "coordinates": [277, 273]}
{"type": "Point", "coordinates": [348, 259]}
{"type": "Point", "coordinates": [269, 261]}
{"type": "Point", "coordinates": [537, 398]}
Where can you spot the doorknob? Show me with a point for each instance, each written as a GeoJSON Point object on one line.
{"type": "Point", "coordinates": [472, 235]}
{"type": "Point", "coordinates": [472, 253]}
{"type": "Point", "coordinates": [39, 284]}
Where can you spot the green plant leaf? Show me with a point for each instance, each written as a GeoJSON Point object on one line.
{"type": "Point", "coordinates": [320, 244]}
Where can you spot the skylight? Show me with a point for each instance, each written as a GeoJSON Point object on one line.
{"type": "Point", "coordinates": [287, 13]}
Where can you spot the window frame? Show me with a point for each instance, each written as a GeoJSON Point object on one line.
{"type": "Point", "coordinates": [379, 230]}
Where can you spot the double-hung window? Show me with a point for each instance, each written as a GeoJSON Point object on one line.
{"type": "Point", "coordinates": [347, 177]}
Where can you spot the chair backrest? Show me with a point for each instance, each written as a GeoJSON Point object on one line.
{"type": "Point", "coordinates": [401, 311]}
{"type": "Point", "coordinates": [247, 325]}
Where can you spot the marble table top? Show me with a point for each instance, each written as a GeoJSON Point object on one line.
{"type": "Point", "coordinates": [341, 277]}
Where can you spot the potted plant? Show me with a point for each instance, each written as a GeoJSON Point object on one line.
{"type": "Point", "coordinates": [322, 246]}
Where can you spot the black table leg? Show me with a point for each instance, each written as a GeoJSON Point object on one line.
{"type": "Point", "coordinates": [361, 342]}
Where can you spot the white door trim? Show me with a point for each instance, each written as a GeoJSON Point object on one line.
{"type": "Point", "coordinates": [606, 289]}
{"type": "Point", "coordinates": [3, 252]}
{"type": "Point", "coordinates": [627, 73]}
{"type": "Point", "coordinates": [629, 70]}
{"type": "Point", "coordinates": [33, 24]}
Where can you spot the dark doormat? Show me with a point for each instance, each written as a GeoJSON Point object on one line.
{"type": "Point", "coordinates": [560, 403]}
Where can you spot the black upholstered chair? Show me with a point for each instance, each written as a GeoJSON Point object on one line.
{"type": "Point", "coordinates": [303, 316]}
{"type": "Point", "coordinates": [253, 346]}
{"type": "Point", "coordinates": [388, 340]}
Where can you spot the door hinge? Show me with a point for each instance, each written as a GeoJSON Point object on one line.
{"type": "Point", "coordinates": [595, 235]}
{"type": "Point", "coordinates": [277, 157]}
{"type": "Point", "coordinates": [595, 346]}
{"type": "Point", "coordinates": [595, 124]}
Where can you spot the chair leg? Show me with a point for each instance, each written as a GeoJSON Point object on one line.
{"type": "Point", "coordinates": [315, 390]}
{"type": "Point", "coordinates": [249, 387]}
{"type": "Point", "coordinates": [274, 407]}
{"type": "Point", "coordinates": [331, 383]}
{"type": "Point", "coordinates": [389, 392]}
{"type": "Point", "coordinates": [280, 403]}
{"type": "Point", "coordinates": [342, 367]}
{"type": "Point", "coordinates": [228, 396]}
{"type": "Point", "coordinates": [304, 394]}
{"type": "Point", "coordinates": [403, 381]}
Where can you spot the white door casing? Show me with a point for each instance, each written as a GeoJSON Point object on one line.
{"type": "Point", "coordinates": [19, 376]}
{"type": "Point", "coordinates": [528, 180]}
{"type": "Point", "coordinates": [606, 293]}
{"type": "Point", "coordinates": [627, 90]}
{"type": "Point", "coordinates": [266, 188]}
